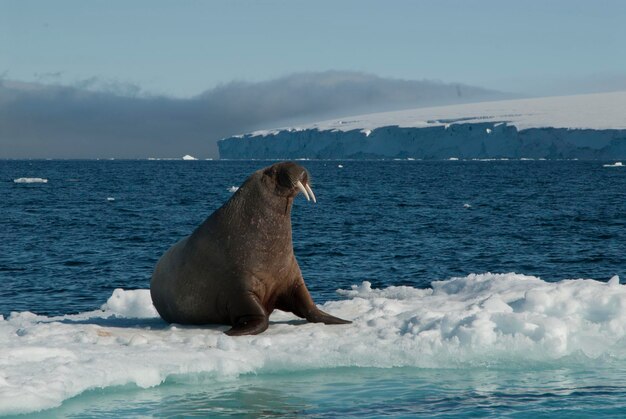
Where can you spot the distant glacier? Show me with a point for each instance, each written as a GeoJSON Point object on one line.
{"type": "Point", "coordinates": [569, 127]}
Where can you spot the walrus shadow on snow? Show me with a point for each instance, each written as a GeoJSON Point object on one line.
{"type": "Point", "coordinates": [120, 322]}
{"type": "Point", "coordinates": [156, 323]}
{"type": "Point", "coordinates": [238, 265]}
{"type": "Point", "coordinates": [152, 324]}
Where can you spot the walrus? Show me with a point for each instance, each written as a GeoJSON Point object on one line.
{"type": "Point", "coordinates": [238, 265]}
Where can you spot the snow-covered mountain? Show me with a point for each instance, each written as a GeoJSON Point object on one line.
{"type": "Point", "coordinates": [567, 127]}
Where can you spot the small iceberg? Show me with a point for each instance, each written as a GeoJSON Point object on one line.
{"type": "Point", "coordinates": [110, 199]}
{"type": "Point", "coordinates": [233, 189]}
{"type": "Point", "coordinates": [616, 164]}
{"type": "Point", "coordinates": [188, 157]}
{"type": "Point", "coordinates": [30, 180]}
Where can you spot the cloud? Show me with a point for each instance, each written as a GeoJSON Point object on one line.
{"type": "Point", "coordinates": [107, 119]}
{"type": "Point", "coordinates": [48, 76]}
{"type": "Point", "coordinates": [569, 85]}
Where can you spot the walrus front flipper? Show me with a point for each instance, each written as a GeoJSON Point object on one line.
{"type": "Point", "coordinates": [248, 325]}
{"type": "Point", "coordinates": [248, 317]}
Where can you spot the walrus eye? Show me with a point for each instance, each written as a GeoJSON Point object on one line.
{"type": "Point", "coordinates": [284, 179]}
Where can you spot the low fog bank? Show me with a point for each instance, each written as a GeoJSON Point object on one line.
{"type": "Point", "coordinates": [46, 121]}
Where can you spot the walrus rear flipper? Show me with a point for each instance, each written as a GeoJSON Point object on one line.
{"type": "Point", "coordinates": [300, 303]}
{"type": "Point", "coordinates": [319, 316]}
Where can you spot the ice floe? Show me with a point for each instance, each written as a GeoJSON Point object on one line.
{"type": "Point", "coordinates": [478, 321]}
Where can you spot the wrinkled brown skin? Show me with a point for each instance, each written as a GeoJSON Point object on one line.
{"type": "Point", "coordinates": [238, 265]}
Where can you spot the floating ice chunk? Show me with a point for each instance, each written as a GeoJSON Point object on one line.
{"type": "Point", "coordinates": [466, 205]}
{"type": "Point", "coordinates": [488, 130]}
{"type": "Point", "coordinates": [188, 157]}
{"type": "Point", "coordinates": [110, 199]}
{"type": "Point", "coordinates": [233, 189]}
{"type": "Point", "coordinates": [453, 158]}
{"type": "Point", "coordinates": [340, 166]}
{"type": "Point", "coordinates": [30, 180]}
{"type": "Point", "coordinates": [616, 164]}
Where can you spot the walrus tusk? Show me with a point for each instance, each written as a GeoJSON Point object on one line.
{"type": "Point", "coordinates": [304, 192]}
{"type": "Point", "coordinates": [310, 191]}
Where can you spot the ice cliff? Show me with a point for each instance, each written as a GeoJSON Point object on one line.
{"type": "Point", "coordinates": [568, 127]}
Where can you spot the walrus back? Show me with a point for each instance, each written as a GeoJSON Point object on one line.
{"type": "Point", "coordinates": [163, 281]}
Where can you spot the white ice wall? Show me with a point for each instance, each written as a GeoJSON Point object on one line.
{"type": "Point", "coordinates": [583, 127]}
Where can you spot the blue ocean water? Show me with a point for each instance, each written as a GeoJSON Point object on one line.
{"type": "Point", "coordinates": [100, 225]}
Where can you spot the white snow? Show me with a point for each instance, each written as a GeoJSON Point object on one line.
{"type": "Point", "coordinates": [478, 321]}
{"type": "Point", "coordinates": [130, 304]}
{"type": "Point", "coordinates": [30, 180]}
{"type": "Point", "coordinates": [593, 111]}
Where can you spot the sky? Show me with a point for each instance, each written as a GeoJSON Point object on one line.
{"type": "Point", "coordinates": [184, 49]}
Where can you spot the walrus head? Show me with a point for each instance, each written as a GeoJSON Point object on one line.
{"type": "Point", "coordinates": [287, 179]}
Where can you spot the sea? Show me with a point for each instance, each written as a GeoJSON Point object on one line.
{"type": "Point", "coordinates": [476, 289]}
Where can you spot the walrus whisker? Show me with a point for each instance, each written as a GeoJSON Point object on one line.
{"type": "Point", "coordinates": [304, 192]}
{"type": "Point", "coordinates": [308, 188]}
